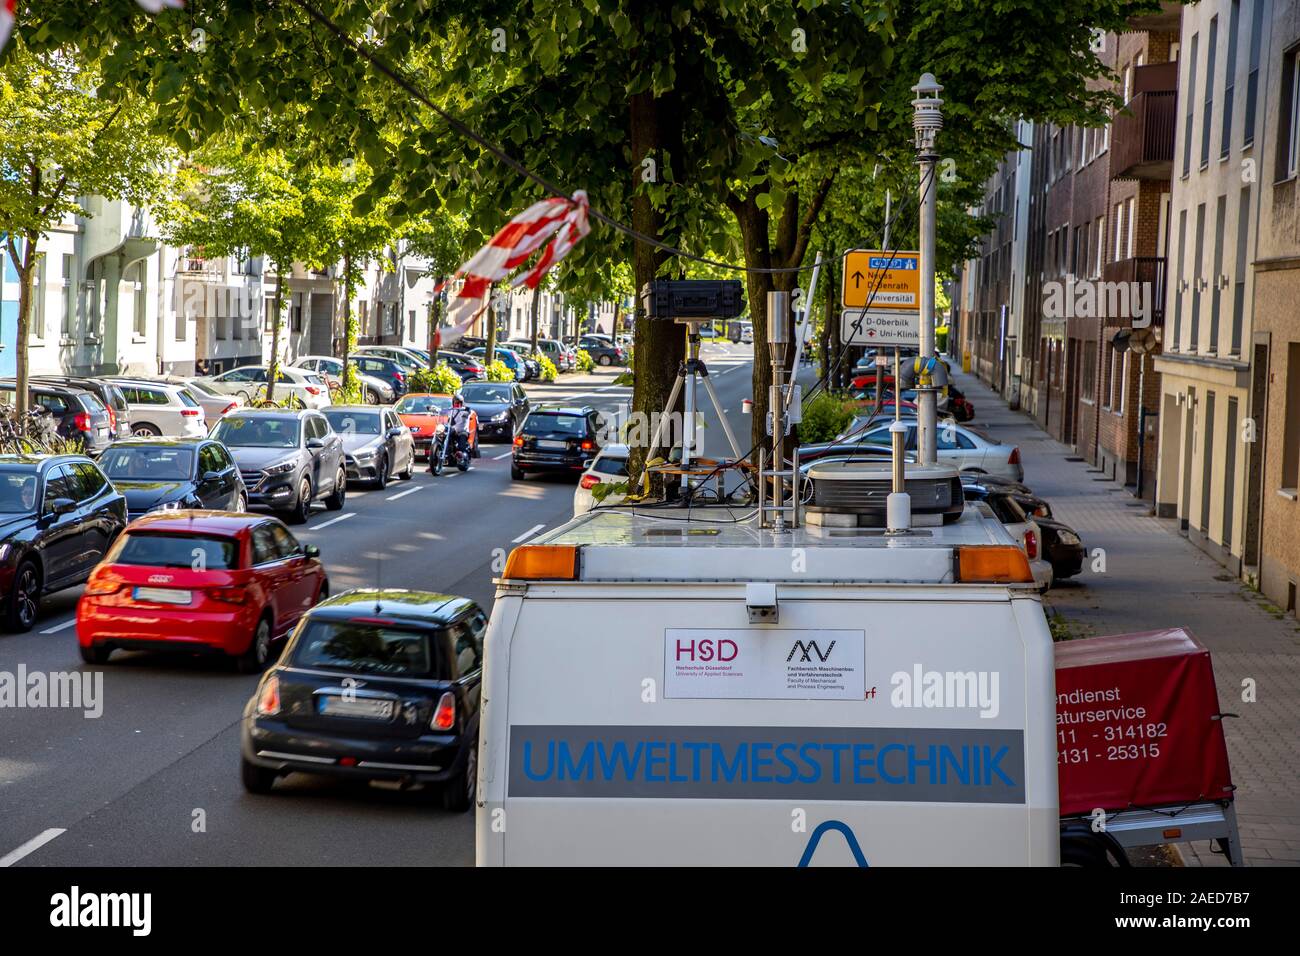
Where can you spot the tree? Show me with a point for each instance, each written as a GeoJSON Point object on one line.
{"type": "Point", "coordinates": [58, 142]}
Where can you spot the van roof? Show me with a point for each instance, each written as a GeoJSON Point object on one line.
{"type": "Point", "coordinates": [658, 544]}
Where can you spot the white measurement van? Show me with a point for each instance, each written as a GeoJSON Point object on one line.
{"type": "Point", "coordinates": [662, 691]}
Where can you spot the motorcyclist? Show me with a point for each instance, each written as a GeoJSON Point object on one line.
{"type": "Point", "coordinates": [458, 424]}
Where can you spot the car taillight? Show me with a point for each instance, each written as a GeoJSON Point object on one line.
{"type": "Point", "coordinates": [444, 718]}
{"type": "Point", "coordinates": [1015, 457]}
{"type": "Point", "coordinates": [100, 588]}
{"type": "Point", "coordinates": [268, 701]}
{"type": "Point", "coordinates": [112, 418]}
{"type": "Point", "coordinates": [399, 377]}
{"type": "Point", "coordinates": [1031, 545]}
{"type": "Point", "coordinates": [519, 441]}
{"type": "Point", "coordinates": [312, 389]}
{"type": "Point", "coordinates": [228, 595]}
{"type": "Point", "coordinates": [589, 481]}
{"type": "Point", "coordinates": [230, 408]}
{"type": "Point", "coordinates": [587, 445]}
{"type": "Point", "coordinates": [190, 412]}
{"type": "Point", "coordinates": [1040, 511]}
{"type": "Point", "coordinates": [81, 421]}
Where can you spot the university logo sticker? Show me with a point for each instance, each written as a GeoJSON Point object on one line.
{"type": "Point", "coordinates": [815, 840]}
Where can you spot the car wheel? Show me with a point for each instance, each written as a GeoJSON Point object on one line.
{"type": "Point", "coordinates": [24, 597]}
{"type": "Point", "coordinates": [324, 591]}
{"type": "Point", "coordinates": [256, 779]}
{"type": "Point", "coordinates": [605, 360]}
{"type": "Point", "coordinates": [458, 792]}
{"type": "Point", "coordinates": [301, 510]}
{"type": "Point", "coordinates": [258, 655]}
{"type": "Point", "coordinates": [516, 474]}
{"type": "Point", "coordinates": [409, 473]}
{"type": "Point", "coordinates": [95, 653]}
{"type": "Point", "coordinates": [241, 503]}
{"type": "Point", "coordinates": [372, 397]}
{"type": "Point", "coordinates": [340, 493]}
{"type": "Point", "coordinates": [145, 430]}
{"type": "Point", "coordinates": [381, 473]}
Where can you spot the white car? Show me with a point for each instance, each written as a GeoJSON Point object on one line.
{"type": "Point", "coordinates": [608, 467]}
{"type": "Point", "coordinates": [162, 408]}
{"type": "Point", "coordinates": [961, 446]}
{"type": "Point", "coordinates": [1026, 533]}
{"type": "Point", "coordinates": [378, 392]}
{"type": "Point", "coordinates": [249, 383]}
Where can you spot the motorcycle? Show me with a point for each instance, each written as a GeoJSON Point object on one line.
{"type": "Point", "coordinates": [444, 451]}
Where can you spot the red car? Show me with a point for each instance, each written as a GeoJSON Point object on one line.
{"type": "Point", "coordinates": [200, 582]}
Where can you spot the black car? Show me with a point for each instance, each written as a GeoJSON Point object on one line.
{"type": "Point", "coordinates": [501, 408]}
{"type": "Point", "coordinates": [79, 415]}
{"type": "Point", "coordinates": [603, 351]}
{"type": "Point", "coordinates": [58, 516]}
{"type": "Point", "coordinates": [556, 440]}
{"type": "Point", "coordinates": [384, 369]}
{"type": "Point", "coordinates": [165, 474]}
{"type": "Point", "coordinates": [373, 685]}
{"type": "Point", "coordinates": [110, 393]}
{"type": "Point", "coordinates": [1062, 547]}
{"type": "Point", "coordinates": [467, 367]}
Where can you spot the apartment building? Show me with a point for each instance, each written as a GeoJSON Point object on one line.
{"type": "Point", "coordinates": [1205, 366]}
{"type": "Point", "coordinates": [1270, 442]}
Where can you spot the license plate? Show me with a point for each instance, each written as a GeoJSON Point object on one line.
{"type": "Point", "coordinates": [364, 707]}
{"type": "Point", "coordinates": [103, 432]}
{"type": "Point", "coordinates": [559, 445]}
{"type": "Point", "coordinates": [162, 595]}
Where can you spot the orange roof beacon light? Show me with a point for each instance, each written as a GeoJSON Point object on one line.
{"type": "Point", "coordinates": [992, 564]}
{"type": "Point", "coordinates": [543, 562]}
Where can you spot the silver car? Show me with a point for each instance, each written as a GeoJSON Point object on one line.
{"type": "Point", "coordinates": [162, 408]}
{"type": "Point", "coordinates": [376, 445]}
{"type": "Point", "coordinates": [377, 391]}
{"type": "Point", "coordinates": [961, 446]}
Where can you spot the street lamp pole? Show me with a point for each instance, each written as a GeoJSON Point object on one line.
{"type": "Point", "coordinates": [927, 120]}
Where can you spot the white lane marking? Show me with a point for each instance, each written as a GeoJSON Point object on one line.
{"type": "Point", "coordinates": [326, 524]}
{"type": "Point", "coordinates": [31, 846]}
{"type": "Point", "coordinates": [528, 534]}
{"type": "Point", "coordinates": [59, 627]}
{"type": "Point", "coordinates": [403, 494]}
{"type": "Point", "coordinates": [506, 455]}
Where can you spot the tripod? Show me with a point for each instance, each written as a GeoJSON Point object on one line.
{"type": "Point", "coordinates": [691, 371]}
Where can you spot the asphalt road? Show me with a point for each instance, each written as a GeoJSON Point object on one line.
{"type": "Point", "coordinates": [154, 780]}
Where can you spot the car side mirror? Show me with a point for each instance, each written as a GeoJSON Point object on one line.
{"type": "Point", "coordinates": [211, 475]}
{"type": "Point", "coordinates": [311, 551]}
{"type": "Point", "coordinates": [395, 431]}
{"type": "Point", "coordinates": [63, 506]}
{"type": "Point", "coordinates": [315, 443]}
{"type": "Point", "coordinates": [588, 463]}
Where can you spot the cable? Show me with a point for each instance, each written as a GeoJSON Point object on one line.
{"type": "Point", "coordinates": [473, 135]}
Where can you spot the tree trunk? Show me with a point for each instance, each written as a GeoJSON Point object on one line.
{"type": "Point", "coordinates": [273, 366]}
{"type": "Point", "coordinates": [26, 267]}
{"type": "Point", "coordinates": [349, 332]}
{"type": "Point", "coordinates": [490, 314]}
{"type": "Point", "coordinates": [434, 319]}
{"type": "Point", "coordinates": [532, 317]}
{"type": "Point", "coordinates": [828, 319]}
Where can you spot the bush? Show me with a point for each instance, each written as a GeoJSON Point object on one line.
{"type": "Point", "coordinates": [826, 416]}
{"type": "Point", "coordinates": [439, 380]}
{"type": "Point", "coordinates": [585, 362]}
{"type": "Point", "coordinates": [549, 371]}
{"type": "Point", "coordinates": [499, 371]}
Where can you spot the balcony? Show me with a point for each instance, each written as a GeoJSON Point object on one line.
{"type": "Point", "coordinates": [1164, 20]}
{"type": "Point", "coordinates": [1142, 137]}
{"type": "Point", "coordinates": [1128, 283]}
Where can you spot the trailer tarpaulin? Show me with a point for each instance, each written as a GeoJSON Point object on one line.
{"type": "Point", "coordinates": [1138, 723]}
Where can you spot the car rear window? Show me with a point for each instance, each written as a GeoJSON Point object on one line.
{"type": "Point", "coordinates": [186, 398]}
{"type": "Point", "coordinates": [91, 403]}
{"type": "Point", "coordinates": [167, 550]}
{"type": "Point", "coordinates": [366, 647]}
{"type": "Point", "coordinates": [543, 424]}
{"type": "Point", "coordinates": [610, 465]}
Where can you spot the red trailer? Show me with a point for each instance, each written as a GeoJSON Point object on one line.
{"type": "Point", "coordinates": [1141, 757]}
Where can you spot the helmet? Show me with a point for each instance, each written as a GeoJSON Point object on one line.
{"type": "Point", "coordinates": [457, 400]}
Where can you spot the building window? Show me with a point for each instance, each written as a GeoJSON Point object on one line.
{"type": "Point", "coordinates": [1229, 81]}
{"type": "Point", "coordinates": [36, 327]}
{"type": "Point", "coordinates": [1132, 235]}
{"type": "Point", "coordinates": [1123, 385]}
{"type": "Point", "coordinates": [1216, 277]}
{"type": "Point", "coordinates": [1119, 232]}
{"type": "Point", "coordinates": [1108, 374]}
{"type": "Point", "coordinates": [1198, 271]}
{"type": "Point", "coordinates": [1291, 436]}
{"type": "Point", "coordinates": [135, 277]}
{"type": "Point", "coordinates": [1179, 280]}
{"type": "Point", "coordinates": [295, 314]}
{"type": "Point", "coordinates": [68, 301]}
{"type": "Point", "coordinates": [1208, 110]}
{"type": "Point", "coordinates": [1288, 133]}
{"type": "Point", "coordinates": [1252, 78]}
{"type": "Point", "coordinates": [1088, 381]}
{"type": "Point", "coordinates": [269, 315]}
{"type": "Point", "coordinates": [1190, 86]}
{"type": "Point", "coordinates": [1128, 83]}
{"type": "Point", "coordinates": [1239, 286]}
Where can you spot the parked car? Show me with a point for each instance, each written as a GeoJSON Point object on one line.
{"type": "Point", "coordinates": [469, 368]}
{"type": "Point", "coordinates": [162, 408]}
{"type": "Point", "coordinates": [602, 350]}
{"type": "Point", "coordinates": [374, 685]}
{"type": "Point", "coordinates": [388, 371]}
{"type": "Point", "coordinates": [500, 408]}
{"type": "Point", "coordinates": [376, 445]}
{"type": "Point", "coordinates": [202, 582]}
{"type": "Point", "coordinates": [742, 332]}
{"type": "Point", "coordinates": [287, 459]}
{"type": "Point", "coordinates": [1062, 548]}
{"type": "Point", "coordinates": [119, 413]}
{"type": "Point", "coordinates": [555, 350]}
{"type": "Point", "coordinates": [963, 447]}
{"type": "Point", "coordinates": [249, 383]}
{"type": "Point", "coordinates": [509, 358]}
{"type": "Point", "coordinates": [424, 413]}
{"type": "Point", "coordinates": [167, 474]}
{"type": "Point", "coordinates": [214, 403]}
{"type": "Point", "coordinates": [58, 516]}
{"type": "Point", "coordinates": [78, 415]}
{"type": "Point", "coordinates": [608, 467]}
{"type": "Point", "coordinates": [556, 439]}
{"type": "Point", "coordinates": [1022, 528]}
{"type": "Point", "coordinates": [377, 391]}
{"type": "Point", "coordinates": [532, 368]}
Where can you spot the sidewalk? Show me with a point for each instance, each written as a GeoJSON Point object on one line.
{"type": "Point", "coordinates": [1154, 578]}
